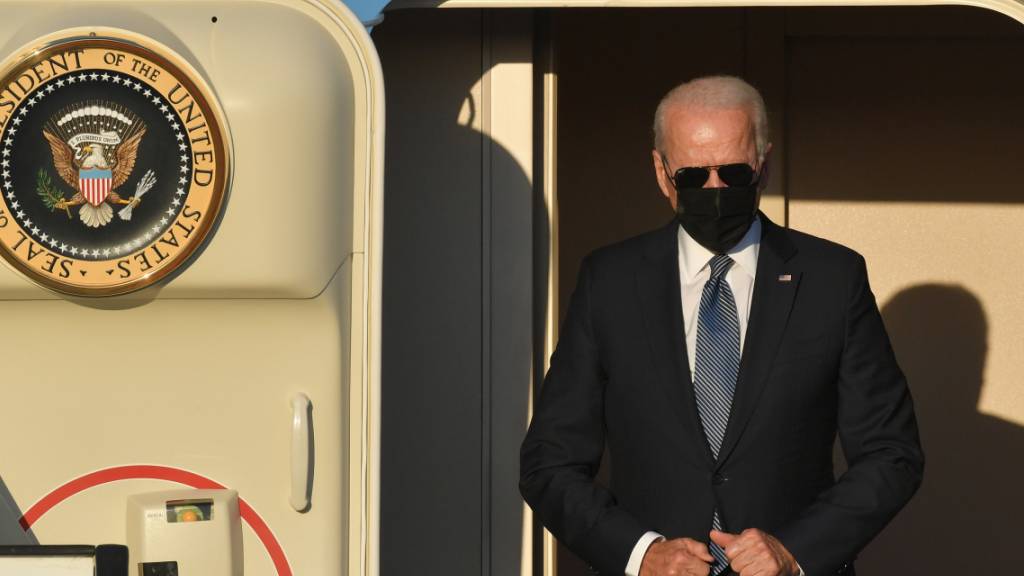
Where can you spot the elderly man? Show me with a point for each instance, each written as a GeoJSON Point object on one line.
{"type": "Point", "coordinates": [718, 357]}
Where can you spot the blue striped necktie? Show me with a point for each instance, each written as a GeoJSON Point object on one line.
{"type": "Point", "coordinates": [716, 365]}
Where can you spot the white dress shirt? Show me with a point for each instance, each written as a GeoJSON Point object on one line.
{"type": "Point", "coordinates": [694, 273]}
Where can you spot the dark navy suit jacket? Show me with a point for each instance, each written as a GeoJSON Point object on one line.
{"type": "Point", "coordinates": [816, 362]}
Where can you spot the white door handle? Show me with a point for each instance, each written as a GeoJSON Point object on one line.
{"type": "Point", "coordinates": [300, 453]}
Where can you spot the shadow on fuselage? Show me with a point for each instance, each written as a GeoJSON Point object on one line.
{"type": "Point", "coordinates": [11, 532]}
{"type": "Point", "coordinates": [965, 517]}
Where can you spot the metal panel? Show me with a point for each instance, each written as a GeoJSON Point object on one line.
{"type": "Point", "coordinates": [915, 183]}
{"type": "Point", "coordinates": [459, 300]}
{"type": "Point", "coordinates": [198, 375]}
{"type": "Point", "coordinates": [432, 475]}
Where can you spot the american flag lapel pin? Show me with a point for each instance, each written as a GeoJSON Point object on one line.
{"type": "Point", "coordinates": [785, 277]}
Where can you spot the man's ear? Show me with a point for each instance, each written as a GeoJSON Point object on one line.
{"type": "Point", "coordinates": [766, 168]}
{"type": "Point", "coordinates": [664, 180]}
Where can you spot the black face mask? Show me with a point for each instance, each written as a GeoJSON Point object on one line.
{"type": "Point", "coordinates": [717, 218]}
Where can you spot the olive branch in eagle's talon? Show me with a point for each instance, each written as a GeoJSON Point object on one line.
{"type": "Point", "coordinates": [53, 199]}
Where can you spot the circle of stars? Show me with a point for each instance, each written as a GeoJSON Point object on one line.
{"type": "Point", "coordinates": [69, 249]}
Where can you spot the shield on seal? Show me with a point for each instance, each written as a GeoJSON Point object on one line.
{"type": "Point", "coordinates": [95, 185]}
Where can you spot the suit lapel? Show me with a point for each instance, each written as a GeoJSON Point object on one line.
{"type": "Point", "coordinates": [775, 288]}
{"type": "Point", "coordinates": [658, 287]}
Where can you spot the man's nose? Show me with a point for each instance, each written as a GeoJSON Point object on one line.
{"type": "Point", "coordinates": [713, 180]}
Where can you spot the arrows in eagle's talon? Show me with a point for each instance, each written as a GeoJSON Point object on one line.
{"type": "Point", "coordinates": [147, 182]}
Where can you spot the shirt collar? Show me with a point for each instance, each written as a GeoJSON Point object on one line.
{"type": "Point", "coordinates": [694, 257]}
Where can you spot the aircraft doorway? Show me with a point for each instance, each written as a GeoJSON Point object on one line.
{"type": "Point", "coordinates": [896, 132]}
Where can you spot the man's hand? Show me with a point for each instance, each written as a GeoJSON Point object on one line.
{"type": "Point", "coordinates": [678, 557]}
{"type": "Point", "coordinates": [754, 552]}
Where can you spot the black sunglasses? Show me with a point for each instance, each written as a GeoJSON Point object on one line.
{"type": "Point", "coordinates": [738, 174]}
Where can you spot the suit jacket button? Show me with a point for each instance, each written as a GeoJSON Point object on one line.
{"type": "Point", "coordinates": [718, 479]}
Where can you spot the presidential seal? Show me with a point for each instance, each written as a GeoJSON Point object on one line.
{"type": "Point", "coordinates": [113, 162]}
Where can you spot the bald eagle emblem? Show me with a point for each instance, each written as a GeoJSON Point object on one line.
{"type": "Point", "coordinates": [94, 146]}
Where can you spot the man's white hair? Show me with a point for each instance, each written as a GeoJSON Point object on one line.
{"type": "Point", "coordinates": [715, 92]}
